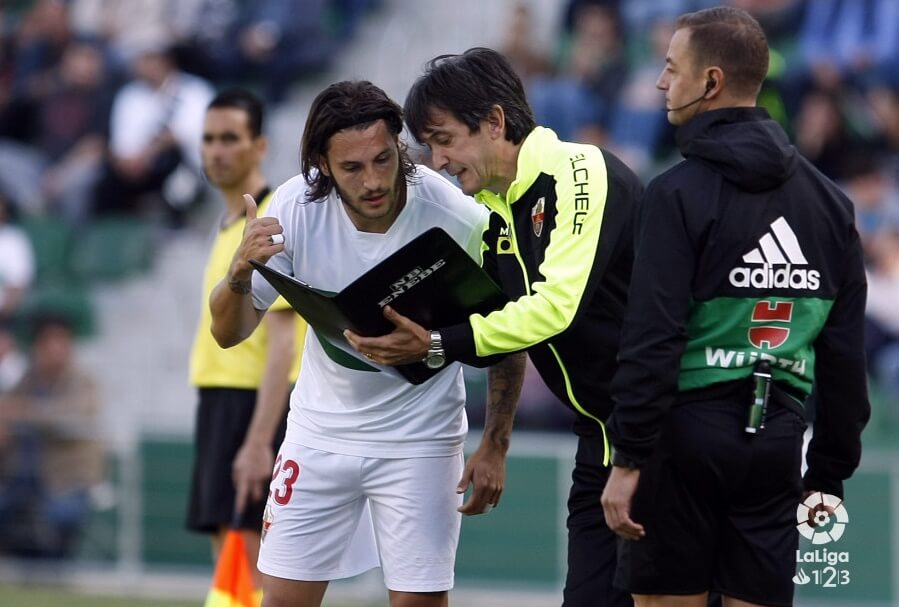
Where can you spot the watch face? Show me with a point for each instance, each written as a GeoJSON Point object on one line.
{"type": "Point", "coordinates": [435, 361]}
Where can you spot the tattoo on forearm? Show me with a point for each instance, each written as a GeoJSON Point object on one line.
{"type": "Point", "coordinates": [504, 382]}
{"type": "Point", "coordinates": [498, 435]}
{"type": "Point", "coordinates": [241, 287]}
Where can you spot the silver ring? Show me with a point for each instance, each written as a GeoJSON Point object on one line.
{"type": "Point", "coordinates": [276, 238]}
{"type": "Point", "coordinates": [369, 356]}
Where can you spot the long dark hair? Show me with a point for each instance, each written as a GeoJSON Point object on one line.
{"type": "Point", "coordinates": [468, 86]}
{"type": "Point", "coordinates": [348, 104]}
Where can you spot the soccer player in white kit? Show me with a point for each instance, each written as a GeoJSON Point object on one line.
{"type": "Point", "coordinates": [369, 471]}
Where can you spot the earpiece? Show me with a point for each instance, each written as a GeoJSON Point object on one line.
{"type": "Point", "coordinates": [709, 85]}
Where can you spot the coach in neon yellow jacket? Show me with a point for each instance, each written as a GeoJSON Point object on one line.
{"type": "Point", "coordinates": [559, 243]}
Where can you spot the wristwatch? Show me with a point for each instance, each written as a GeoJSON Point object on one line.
{"type": "Point", "coordinates": [436, 357]}
{"type": "Point", "coordinates": [622, 461]}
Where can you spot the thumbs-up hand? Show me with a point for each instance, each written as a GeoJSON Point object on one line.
{"type": "Point", "coordinates": [262, 238]}
{"type": "Point", "coordinates": [251, 207]}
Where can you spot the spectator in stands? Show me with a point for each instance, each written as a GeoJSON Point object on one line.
{"type": "Point", "coordinates": [51, 452]}
{"type": "Point", "coordinates": [12, 361]}
{"type": "Point", "coordinates": [155, 132]}
{"type": "Point", "coordinates": [123, 25]}
{"type": "Point", "coordinates": [272, 41]}
{"type": "Point", "coordinates": [884, 107]}
{"type": "Point", "coordinates": [35, 49]}
{"type": "Point", "coordinates": [577, 101]}
{"type": "Point", "coordinates": [16, 261]}
{"type": "Point", "coordinates": [870, 184]}
{"type": "Point", "coordinates": [349, 13]}
{"type": "Point", "coordinates": [40, 41]}
{"type": "Point", "coordinates": [518, 45]}
{"type": "Point", "coordinates": [243, 391]}
{"type": "Point", "coordinates": [844, 48]}
{"type": "Point", "coordinates": [200, 28]}
{"type": "Point", "coordinates": [6, 67]}
{"type": "Point", "coordinates": [277, 41]}
{"type": "Point", "coordinates": [637, 126]}
{"type": "Point", "coordinates": [780, 19]}
{"type": "Point", "coordinates": [850, 41]}
{"type": "Point", "coordinates": [637, 16]}
{"type": "Point", "coordinates": [822, 134]}
{"type": "Point", "coordinates": [882, 313]}
{"type": "Point", "coordinates": [73, 126]}
{"type": "Point", "coordinates": [56, 170]}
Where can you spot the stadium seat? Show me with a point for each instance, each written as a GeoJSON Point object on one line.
{"type": "Point", "coordinates": [51, 239]}
{"type": "Point", "coordinates": [113, 248]}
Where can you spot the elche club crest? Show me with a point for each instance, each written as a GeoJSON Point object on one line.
{"type": "Point", "coordinates": [267, 520]}
{"type": "Point", "coordinates": [537, 215]}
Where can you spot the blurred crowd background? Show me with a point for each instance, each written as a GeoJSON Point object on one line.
{"type": "Point", "coordinates": [101, 111]}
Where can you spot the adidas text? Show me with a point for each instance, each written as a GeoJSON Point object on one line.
{"type": "Point", "coordinates": [781, 277]}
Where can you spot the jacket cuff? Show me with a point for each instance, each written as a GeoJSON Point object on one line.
{"type": "Point", "coordinates": [813, 482]}
{"type": "Point", "coordinates": [458, 343]}
{"type": "Point", "coordinates": [630, 453]}
{"type": "Point", "coordinates": [622, 460]}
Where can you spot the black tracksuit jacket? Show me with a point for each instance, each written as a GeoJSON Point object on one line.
{"type": "Point", "coordinates": [745, 251]}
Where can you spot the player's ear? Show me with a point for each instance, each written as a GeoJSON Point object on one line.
{"type": "Point", "coordinates": [323, 167]}
{"type": "Point", "coordinates": [262, 144]}
{"type": "Point", "coordinates": [496, 122]}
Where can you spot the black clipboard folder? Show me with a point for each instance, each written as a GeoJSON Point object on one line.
{"type": "Point", "coordinates": [431, 280]}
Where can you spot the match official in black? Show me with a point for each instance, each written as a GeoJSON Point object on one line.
{"type": "Point", "coordinates": [748, 288]}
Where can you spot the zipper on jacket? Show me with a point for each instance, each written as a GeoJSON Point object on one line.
{"type": "Point", "coordinates": [505, 211]}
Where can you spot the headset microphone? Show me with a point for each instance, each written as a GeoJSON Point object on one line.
{"type": "Point", "coordinates": [709, 85]}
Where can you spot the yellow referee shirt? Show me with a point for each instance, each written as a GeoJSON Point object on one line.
{"type": "Point", "coordinates": [241, 366]}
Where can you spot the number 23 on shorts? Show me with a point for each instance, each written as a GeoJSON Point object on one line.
{"type": "Point", "coordinates": [284, 475]}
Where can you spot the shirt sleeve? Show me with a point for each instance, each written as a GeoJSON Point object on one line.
{"type": "Point", "coordinates": [553, 303]}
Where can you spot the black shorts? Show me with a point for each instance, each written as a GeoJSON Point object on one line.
{"type": "Point", "coordinates": [223, 417]}
{"type": "Point", "coordinates": [719, 507]}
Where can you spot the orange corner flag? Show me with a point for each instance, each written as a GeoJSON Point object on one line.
{"type": "Point", "coordinates": [232, 585]}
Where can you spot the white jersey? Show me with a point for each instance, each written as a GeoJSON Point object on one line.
{"type": "Point", "coordinates": [335, 407]}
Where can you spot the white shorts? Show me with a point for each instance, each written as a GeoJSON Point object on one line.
{"type": "Point", "coordinates": [332, 516]}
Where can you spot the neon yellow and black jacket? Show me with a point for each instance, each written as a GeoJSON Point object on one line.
{"type": "Point", "coordinates": [560, 244]}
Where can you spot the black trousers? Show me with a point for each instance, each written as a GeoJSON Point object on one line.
{"type": "Point", "coordinates": [592, 546]}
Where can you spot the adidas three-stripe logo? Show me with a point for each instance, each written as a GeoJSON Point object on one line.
{"type": "Point", "coordinates": [779, 246]}
{"type": "Point", "coordinates": [771, 263]}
